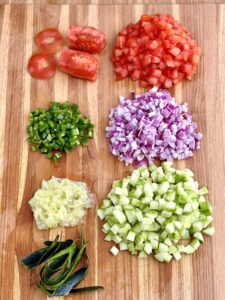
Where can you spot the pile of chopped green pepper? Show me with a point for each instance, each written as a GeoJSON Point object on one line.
{"type": "Point", "coordinates": [58, 129]}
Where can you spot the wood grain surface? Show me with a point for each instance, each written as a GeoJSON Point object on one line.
{"type": "Point", "coordinates": [125, 277]}
{"type": "Point", "coordinates": [106, 2]}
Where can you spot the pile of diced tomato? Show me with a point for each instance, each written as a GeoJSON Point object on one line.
{"type": "Point", "coordinates": [157, 51]}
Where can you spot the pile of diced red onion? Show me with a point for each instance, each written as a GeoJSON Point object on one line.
{"type": "Point", "coordinates": [151, 126]}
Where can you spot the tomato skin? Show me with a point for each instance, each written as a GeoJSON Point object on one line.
{"type": "Point", "coordinates": [78, 64]}
{"type": "Point", "coordinates": [49, 41]}
{"type": "Point", "coordinates": [88, 39]}
{"type": "Point", "coordinates": [42, 66]}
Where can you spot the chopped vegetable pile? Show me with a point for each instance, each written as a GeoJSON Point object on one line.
{"type": "Point", "coordinates": [157, 51]}
{"type": "Point", "coordinates": [151, 126]}
{"type": "Point", "coordinates": [59, 260]}
{"type": "Point", "coordinates": [60, 202]}
{"type": "Point", "coordinates": [154, 210]}
{"type": "Point", "coordinates": [58, 129]}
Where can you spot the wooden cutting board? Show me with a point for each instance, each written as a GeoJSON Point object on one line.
{"type": "Point", "coordinates": [125, 277]}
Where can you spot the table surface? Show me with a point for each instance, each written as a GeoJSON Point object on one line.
{"type": "Point", "coordinates": [125, 277]}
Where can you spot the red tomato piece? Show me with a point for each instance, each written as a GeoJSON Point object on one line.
{"type": "Point", "coordinates": [42, 66]}
{"type": "Point", "coordinates": [120, 42]}
{"type": "Point", "coordinates": [79, 64]}
{"type": "Point", "coordinates": [174, 51]}
{"type": "Point", "coordinates": [49, 41]}
{"type": "Point", "coordinates": [135, 75]}
{"type": "Point", "coordinates": [153, 81]}
{"type": "Point", "coordinates": [168, 61]}
{"type": "Point", "coordinates": [88, 39]}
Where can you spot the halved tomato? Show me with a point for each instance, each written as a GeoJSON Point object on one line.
{"type": "Point", "coordinates": [88, 39]}
{"type": "Point", "coordinates": [79, 64]}
{"type": "Point", "coordinates": [42, 66]}
{"type": "Point", "coordinates": [49, 41]}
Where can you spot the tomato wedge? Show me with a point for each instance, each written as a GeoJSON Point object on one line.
{"type": "Point", "coordinates": [42, 66]}
{"type": "Point", "coordinates": [88, 39]}
{"type": "Point", "coordinates": [49, 41]}
{"type": "Point", "coordinates": [79, 64]}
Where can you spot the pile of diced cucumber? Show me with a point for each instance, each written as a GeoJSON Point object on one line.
{"type": "Point", "coordinates": [154, 210]}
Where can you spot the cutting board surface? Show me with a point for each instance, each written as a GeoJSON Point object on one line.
{"type": "Point", "coordinates": [125, 277]}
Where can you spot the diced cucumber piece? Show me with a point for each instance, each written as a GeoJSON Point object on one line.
{"type": "Point", "coordinates": [160, 220]}
{"type": "Point", "coordinates": [148, 189]}
{"type": "Point", "coordinates": [134, 177]}
{"type": "Point", "coordinates": [189, 249]}
{"type": "Point", "coordinates": [197, 226]}
{"type": "Point", "coordinates": [153, 236]}
{"type": "Point", "coordinates": [163, 188]}
{"type": "Point", "coordinates": [167, 166]}
{"type": "Point", "coordinates": [109, 210]}
{"type": "Point", "coordinates": [195, 244]}
{"type": "Point", "coordinates": [154, 205]}
{"type": "Point", "coordinates": [163, 257]}
{"type": "Point", "coordinates": [106, 203]}
{"type": "Point", "coordinates": [148, 248]}
{"type": "Point", "coordinates": [116, 183]}
{"type": "Point", "coordinates": [117, 239]}
{"type": "Point", "coordinates": [125, 183]}
{"type": "Point", "coordinates": [119, 191]}
{"type": "Point", "coordinates": [136, 228]}
{"type": "Point", "coordinates": [168, 242]}
{"type": "Point", "coordinates": [114, 250]}
{"type": "Point", "coordinates": [113, 198]}
{"type": "Point", "coordinates": [123, 200]}
{"type": "Point", "coordinates": [154, 176]}
{"type": "Point", "coordinates": [108, 238]}
{"type": "Point", "coordinates": [185, 235]}
{"type": "Point", "coordinates": [187, 208]}
{"type": "Point", "coordinates": [162, 203]}
{"type": "Point", "coordinates": [203, 191]}
{"type": "Point", "coordinates": [142, 254]}
{"type": "Point", "coordinates": [136, 202]}
{"type": "Point", "coordinates": [119, 216]}
{"type": "Point", "coordinates": [178, 225]}
{"type": "Point", "coordinates": [115, 229]}
{"type": "Point", "coordinates": [131, 236]}
{"type": "Point", "coordinates": [170, 206]}
{"type": "Point", "coordinates": [131, 216]}
{"type": "Point", "coordinates": [163, 235]}
{"type": "Point", "coordinates": [178, 211]}
{"type": "Point", "coordinates": [170, 196]}
{"type": "Point", "coordinates": [106, 227]}
{"type": "Point", "coordinates": [209, 231]}
{"type": "Point", "coordinates": [144, 172]}
{"type": "Point", "coordinates": [172, 249]}
{"type": "Point", "coordinates": [101, 214]}
{"type": "Point", "coordinates": [139, 215]}
{"type": "Point", "coordinates": [146, 200]}
{"type": "Point", "coordinates": [177, 255]}
{"type": "Point", "coordinates": [123, 246]}
{"type": "Point", "coordinates": [198, 236]}
{"type": "Point", "coordinates": [170, 228]}
{"type": "Point", "coordinates": [180, 248]}
{"type": "Point", "coordinates": [154, 244]}
{"type": "Point", "coordinates": [163, 247]}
